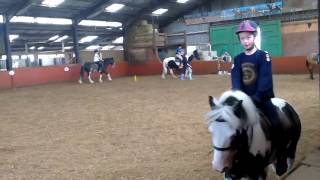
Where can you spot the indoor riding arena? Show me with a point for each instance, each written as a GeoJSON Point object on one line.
{"type": "Point", "coordinates": [136, 124]}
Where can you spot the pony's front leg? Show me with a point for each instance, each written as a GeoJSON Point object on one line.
{"type": "Point", "coordinates": [164, 71]}
{"type": "Point", "coordinates": [109, 77]}
{"type": "Point", "coordinates": [80, 80]}
{"type": "Point", "coordinates": [189, 73]}
{"type": "Point", "coordinates": [172, 74]}
{"type": "Point", "coordinates": [89, 77]}
{"type": "Point", "coordinates": [100, 78]}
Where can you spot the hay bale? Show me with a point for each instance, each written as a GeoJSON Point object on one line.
{"type": "Point", "coordinates": [138, 55]}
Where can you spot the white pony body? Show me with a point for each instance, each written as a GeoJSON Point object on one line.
{"type": "Point", "coordinates": [165, 67]}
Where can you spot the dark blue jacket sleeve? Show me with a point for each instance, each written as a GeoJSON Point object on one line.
{"type": "Point", "coordinates": [236, 75]}
{"type": "Point", "coordinates": [265, 84]}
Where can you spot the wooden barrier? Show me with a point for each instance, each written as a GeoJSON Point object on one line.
{"type": "Point", "coordinates": [5, 80]}
{"type": "Point", "coordinates": [44, 75]}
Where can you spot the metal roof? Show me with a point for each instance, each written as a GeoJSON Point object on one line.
{"type": "Point", "coordinates": [36, 34]}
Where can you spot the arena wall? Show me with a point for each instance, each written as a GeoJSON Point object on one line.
{"type": "Point", "coordinates": [44, 75]}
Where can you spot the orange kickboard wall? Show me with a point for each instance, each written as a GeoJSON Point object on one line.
{"type": "Point", "coordinates": [44, 75]}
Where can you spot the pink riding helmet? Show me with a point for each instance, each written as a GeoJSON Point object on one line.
{"type": "Point", "coordinates": [247, 26]}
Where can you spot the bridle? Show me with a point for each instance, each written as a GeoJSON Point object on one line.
{"type": "Point", "coordinates": [234, 143]}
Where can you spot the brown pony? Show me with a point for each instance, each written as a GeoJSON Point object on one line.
{"type": "Point", "coordinates": [311, 63]}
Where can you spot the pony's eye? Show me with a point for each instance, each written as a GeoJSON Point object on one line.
{"type": "Point", "coordinates": [220, 120]}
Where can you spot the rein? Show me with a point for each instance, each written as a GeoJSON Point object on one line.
{"type": "Point", "coordinates": [223, 149]}
{"type": "Point", "coordinates": [235, 142]}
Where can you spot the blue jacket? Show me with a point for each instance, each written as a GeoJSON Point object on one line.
{"type": "Point", "coordinates": [178, 50]}
{"type": "Point", "coordinates": [253, 75]}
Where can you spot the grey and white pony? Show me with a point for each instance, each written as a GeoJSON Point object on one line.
{"type": "Point", "coordinates": [90, 67]}
{"type": "Point", "coordinates": [241, 135]}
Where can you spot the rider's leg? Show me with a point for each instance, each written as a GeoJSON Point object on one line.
{"type": "Point", "coordinates": [279, 141]}
{"type": "Point", "coordinates": [98, 64]}
{"type": "Point", "coordinates": [100, 69]}
{"type": "Point", "coordinates": [183, 74]}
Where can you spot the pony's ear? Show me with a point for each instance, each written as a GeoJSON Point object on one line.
{"type": "Point", "coordinates": [212, 102]}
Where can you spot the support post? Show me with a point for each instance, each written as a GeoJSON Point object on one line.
{"type": "Point", "coordinates": [75, 41]}
{"type": "Point", "coordinates": [6, 38]}
{"type": "Point", "coordinates": [319, 46]}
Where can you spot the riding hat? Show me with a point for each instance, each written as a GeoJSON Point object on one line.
{"type": "Point", "coordinates": [247, 26]}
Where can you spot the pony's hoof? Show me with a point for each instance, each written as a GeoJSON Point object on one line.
{"type": "Point", "coordinates": [281, 167]}
{"type": "Point", "coordinates": [110, 79]}
{"type": "Point", "coordinates": [100, 81]}
{"type": "Point", "coordinates": [290, 163]}
{"type": "Point", "coordinates": [91, 82]}
{"type": "Point", "coordinates": [80, 82]}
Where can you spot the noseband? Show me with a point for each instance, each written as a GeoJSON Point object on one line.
{"type": "Point", "coordinates": [235, 143]}
{"type": "Point", "coordinates": [223, 149]}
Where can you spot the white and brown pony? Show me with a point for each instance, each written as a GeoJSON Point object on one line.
{"type": "Point", "coordinates": [241, 135]}
{"type": "Point", "coordinates": [311, 63]}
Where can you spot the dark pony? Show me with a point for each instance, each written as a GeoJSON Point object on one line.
{"type": "Point", "coordinates": [90, 67]}
{"type": "Point", "coordinates": [311, 63]}
{"type": "Point", "coordinates": [195, 55]}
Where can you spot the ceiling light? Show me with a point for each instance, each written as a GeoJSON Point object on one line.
{"type": "Point", "coordinates": [51, 3]}
{"type": "Point", "coordinates": [32, 47]}
{"type": "Point", "coordinates": [92, 47]}
{"type": "Point", "coordinates": [22, 19]}
{"type": "Point", "coordinates": [68, 47]}
{"type": "Point", "coordinates": [58, 21]}
{"type": "Point", "coordinates": [54, 38]}
{"type": "Point", "coordinates": [88, 39]}
{"type": "Point", "coordinates": [40, 48]}
{"type": "Point", "coordinates": [100, 23]}
{"type": "Point", "coordinates": [61, 38]}
{"type": "Point", "coordinates": [182, 1]}
{"type": "Point", "coordinates": [118, 48]}
{"type": "Point", "coordinates": [13, 37]}
{"type": "Point", "coordinates": [107, 47]}
{"type": "Point", "coordinates": [159, 11]}
{"type": "Point", "coordinates": [119, 40]}
{"type": "Point", "coordinates": [114, 7]}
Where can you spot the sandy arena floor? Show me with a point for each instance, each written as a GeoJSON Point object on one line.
{"type": "Point", "coordinates": [151, 129]}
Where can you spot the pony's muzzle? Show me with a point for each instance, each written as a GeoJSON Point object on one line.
{"type": "Point", "coordinates": [222, 161]}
